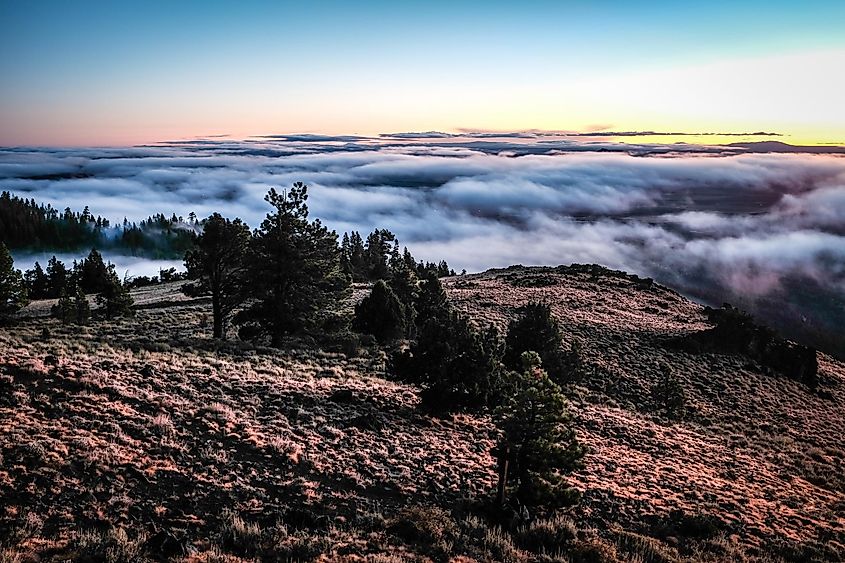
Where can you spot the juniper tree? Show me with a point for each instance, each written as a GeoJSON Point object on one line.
{"type": "Point", "coordinates": [381, 314]}
{"type": "Point", "coordinates": [538, 446]}
{"type": "Point", "coordinates": [217, 264]}
{"type": "Point", "coordinates": [12, 288]}
{"type": "Point", "coordinates": [457, 366]}
{"type": "Point", "coordinates": [296, 279]}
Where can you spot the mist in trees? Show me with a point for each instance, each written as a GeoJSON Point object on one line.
{"type": "Point", "coordinates": [26, 224]}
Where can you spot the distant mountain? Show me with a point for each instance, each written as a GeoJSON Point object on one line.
{"type": "Point", "coordinates": [777, 146]}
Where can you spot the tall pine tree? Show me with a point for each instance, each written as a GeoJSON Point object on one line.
{"type": "Point", "coordinates": [296, 279]}
{"type": "Point", "coordinates": [217, 263]}
{"type": "Point", "coordinates": [538, 447]}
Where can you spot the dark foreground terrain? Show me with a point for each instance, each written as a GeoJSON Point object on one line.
{"type": "Point", "coordinates": [142, 439]}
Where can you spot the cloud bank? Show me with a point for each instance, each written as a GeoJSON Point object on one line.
{"type": "Point", "coordinates": [716, 223]}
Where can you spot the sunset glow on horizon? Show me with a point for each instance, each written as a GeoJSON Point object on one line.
{"type": "Point", "coordinates": [108, 74]}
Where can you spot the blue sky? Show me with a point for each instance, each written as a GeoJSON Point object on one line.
{"type": "Point", "coordinates": [118, 73]}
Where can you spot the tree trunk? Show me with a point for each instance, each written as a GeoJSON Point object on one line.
{"type": "Point", "coordinates": [217, 315]}
{"type": "Point", "coordinates": [501, 489]}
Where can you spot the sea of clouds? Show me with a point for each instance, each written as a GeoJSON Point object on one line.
{"type": "Point", "coordinates": [716, 223]}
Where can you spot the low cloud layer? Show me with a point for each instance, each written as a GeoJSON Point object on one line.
{"type": "Point", "coordinates": [715, 223]}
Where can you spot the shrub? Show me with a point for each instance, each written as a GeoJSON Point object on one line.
{"type": "Point", "coordinates": [457, 366]}
{"type": "Point", "coordinates": [114, 546]}
{"type": "Point", "coordinates": [239, 536]}
{"type": "Point", "coordinates": [668, 394]}
{"type": "Point", "coordinates": [550, 535]}
{"type": "Point", "coordinates": [593, 550]}
{"type": "Point", "coordinates": [426, 525]}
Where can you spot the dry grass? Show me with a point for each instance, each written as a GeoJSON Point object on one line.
{"type": "Point", "coordinates": [129, 439]}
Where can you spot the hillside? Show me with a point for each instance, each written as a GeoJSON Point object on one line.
{"type": "Point", "coordinates": [142, 438]}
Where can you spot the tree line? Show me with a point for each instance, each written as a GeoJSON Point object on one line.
{"type": "Point", "coordinates": [71, 286]}
{"type": "Point", "coordinates": [27, 225]}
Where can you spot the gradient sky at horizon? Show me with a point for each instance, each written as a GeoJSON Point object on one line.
{"type": "Point", "coordinates": [120, 73]}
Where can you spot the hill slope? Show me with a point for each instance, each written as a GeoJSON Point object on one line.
{"type": "Point", "coordinates": [142, 438]}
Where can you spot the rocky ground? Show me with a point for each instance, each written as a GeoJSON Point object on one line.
{"type": "Point", "coordinates": [141, 439]}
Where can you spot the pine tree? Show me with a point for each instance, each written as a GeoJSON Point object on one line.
{"type": "Point", "coordinates": [377, 253]}
{"type": "Point", "coordinates": [357, 258]}
{"type": "Point", "coordinates": [94, 274]}
{"type": "Point", "coordinates": [217, 264]}
{"type": "Point", "coordinates": [58, 277]}
{"type": "Point", "coordinates": [457, 366]}
{"type": "Point", "coordinates": [381, 314]}
{"type": "Point", "coordinates": [346, 255]}
{"type": "Point", "coordinates": [536, 329]}
{"type": "Point", "coordinates": [37, 282]}
{"type": "Point", "coordinates": [431, 301]}
{"type": "Point", "coordinates": [405, 285]}
{"type": "Point", "coordinates": [81, 308]}
{"type": "Point", "coordinates": [114, 299]}
{"type": "Point", "coordinates": [12, 288]}
{"type": "Point", "coordinates": [538, 446]}
{"type": "Point", "coordinates": [294, 268]}
{"type": "Point", "coordinates": [64, 309]}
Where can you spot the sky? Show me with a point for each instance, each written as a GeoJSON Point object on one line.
{"type": "Point", "coordinates": [124, 73]}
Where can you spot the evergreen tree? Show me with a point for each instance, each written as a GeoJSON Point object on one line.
{"type": "Point", "coordinates": [93, 273]}
{"type": "Point", "coordinates": [12, 288]}
{"type": "Point", "coordinates": [431, 301]}
{"type": "Point", "coordinates": [114, 299]}
{"type": "Point", "coordinates": [37, 282]}
{"type": "Point", "coordinates": [81, 308]}
{"type": "Point", "coordinates": [357, 257]}
{"type": "Point", "coordinates": [346, 256]}
{"type": "Point", "coordinates": [457, 366]}
{"type": "Point", "coordinates": [381, 314]}
{"type": "Point", "coordinates": [405, 285]}
{"type": "Point", "coordinates": [377, 254]}
{"type": "Point", "coordinates": [294, 268]}
{"type": "Point", "coordinates": [58, 277]}
{"type": "Point", "coordinates": [538, 446]}
{"type": "Point", "coordinates": [64, 309]}
{"type": "Point", "coordinates": [443, 270]}
{"type": "Point", "coordinates": [410, 262]}
{"type": "Point", "coordinates": [217, 264]}
{"type": "Point", "coordinates": [536, 329]}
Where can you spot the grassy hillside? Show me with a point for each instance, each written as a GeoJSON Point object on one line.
{"type": "Point", "coordinates": [141, 439]}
